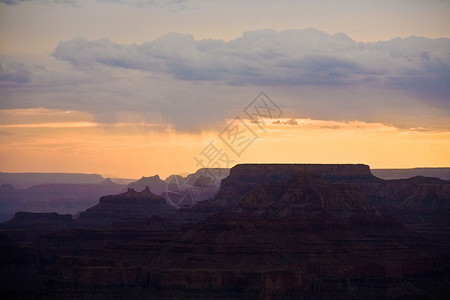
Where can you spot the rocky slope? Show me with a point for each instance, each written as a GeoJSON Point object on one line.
{"type": "Point", "coordinates": [303, 238]}
{"type": "Point", "coordinates": [420, 203]}
{"type": "Point", "coordinates": [271, 232]}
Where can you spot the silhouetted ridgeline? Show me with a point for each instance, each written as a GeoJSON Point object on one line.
{"type": "Point", "coordinates": [26, 218]}
{"type": "Point", "coordinates": [273, 231]}
{"type": "Point", "coordinates": [26, 180]}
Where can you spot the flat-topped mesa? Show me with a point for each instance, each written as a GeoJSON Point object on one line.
{"type": "Point", "coordinates": [245, 177]}
{"type": "Point", "coordinates": [283, 172]}
{"type": "Point", "coordinates": [126, 206]}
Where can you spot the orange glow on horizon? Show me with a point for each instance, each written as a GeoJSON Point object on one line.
{"type": "Point", "coordinates": [135, 150]}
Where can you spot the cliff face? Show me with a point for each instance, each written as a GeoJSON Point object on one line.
{"type": "Point", "coordinates": [304, 195]}
{"type": "Point", "coordinates": [420, 203]}
{"type": "Point", "coordinates": [304, 238]}
{"type": "Point", "coordinates": [126, 206]}
{"type": "Point", "coordinates": [412, 193]}
{"type": "Point", "coordinates": [246, 177]}
{"type": "Point", "coordinates": [282, 232]}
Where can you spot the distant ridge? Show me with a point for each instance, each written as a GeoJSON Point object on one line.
{"type": "Point", "coordinates": [442, 173]}
{"type": "Point", "coordinates": [156, 185]}
{"type": "Point", "coordinates": [26, 180]}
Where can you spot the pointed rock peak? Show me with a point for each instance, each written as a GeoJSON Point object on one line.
{"type": "Point", "coordinates": [131, 190]}
{"type": "Point", "coordinates": [148, 193]}
{"type": "Point", "coordinates": [108, 181]}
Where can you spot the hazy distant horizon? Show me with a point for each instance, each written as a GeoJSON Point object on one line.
{"type": "Point", "coordinates": [184, 174]}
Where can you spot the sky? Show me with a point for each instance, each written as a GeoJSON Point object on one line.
{"type": "Point", "coordinates": [133, 88]}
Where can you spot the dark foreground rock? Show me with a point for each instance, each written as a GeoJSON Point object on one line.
{"type": "Point", "coordinates": [271, 232]}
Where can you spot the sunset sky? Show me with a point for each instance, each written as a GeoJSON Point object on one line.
{"type": "Point", "coordinates": [134, 88]}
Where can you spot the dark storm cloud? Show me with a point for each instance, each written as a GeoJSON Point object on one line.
{"type": "Point", "coordinates": [266, 57]}
{"type": "Point", "coordinates": [13, 2]}
{"type": "Point", "coordinates": [13, 72]}
{"type": "Point", "coordinates": [196, 84]}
